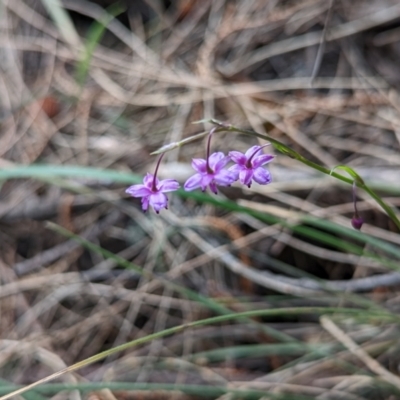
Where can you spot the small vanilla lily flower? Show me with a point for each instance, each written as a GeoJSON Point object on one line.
{"type": "Point", "coordinates": [210, 172]}
{"type": "Point", "coordinates": [249, 166]}
{"type": "Point", "coordinates": [152, 190]}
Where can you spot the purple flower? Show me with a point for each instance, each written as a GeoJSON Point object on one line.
{"type": "Point", "coordinates": [152, 191]}
{"type": "Point", "coordinates": [210, 173]}
{"type": "Point", "coordinates": [249, 166]}
{"type": "Point", "coordinates": [357, 222]}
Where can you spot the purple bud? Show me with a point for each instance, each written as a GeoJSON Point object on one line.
{"type": "Point", "coordinates": [357, 222]}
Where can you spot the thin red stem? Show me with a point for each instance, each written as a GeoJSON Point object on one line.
{"type": "Point", "coordinates": [154, 186]}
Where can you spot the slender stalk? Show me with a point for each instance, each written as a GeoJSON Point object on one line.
{"type": "Point", "coordinates": [209, 170]}
{"type": "Point", "coordinates": [154, 186]}
{"type": "Point", "coordinates": [293, 154]}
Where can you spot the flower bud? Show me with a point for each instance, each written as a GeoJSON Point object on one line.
{"type": "Point", "coordinates": [357, 222]}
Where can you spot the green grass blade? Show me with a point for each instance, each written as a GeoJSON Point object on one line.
{"type": "Point", "coordinates": [45, 172]}
{"type": "Point", "coordinates": [271, 313]}
{"type": "Point", "coordinates": [38, 171]}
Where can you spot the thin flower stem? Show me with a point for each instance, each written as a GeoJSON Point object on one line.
{"type": "Point", "coordinates": [357, 222]}
{"type": "Point", "coordinates": [209, 170]}
{"type": "Point", "coordinates": [175, 145]}
{"type": "Point", "coordinates": [154, 187]}
{"type": "Point", "coordinates": [355, 199]}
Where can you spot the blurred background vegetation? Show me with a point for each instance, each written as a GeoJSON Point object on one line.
{"type": "Point", "coordinates": [88, 89]}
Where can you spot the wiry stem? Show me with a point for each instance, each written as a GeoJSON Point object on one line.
{"type": "Point", "coordinates": [209, 170]}
{"type": "Point", "coordinates": [355, 200]}
{"type": "Point", "coordinates": [154, 186]}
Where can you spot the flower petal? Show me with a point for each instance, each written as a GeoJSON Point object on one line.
{"type": "Point", "coordinates": [235, 169]}
{"type": "Point", "coordinates": [221, 163]}
{"type": "Point", "coordinates": [213, 187]}
{"type": "Point", "coordinates": [206, 180]}
{"type": "Point", "coordinates": [138, 191]}
{"type": "Point", "coordinates": [215, 158]}
{"type": "Point", "coordinates": [262, 176]}
{"type": "Point", "coordinates": [148, 180]}
{"type": "Point", "coordinates": [168, 185]}
{"type": "Point", "coordinates": [158, 201]}
{"type": "Point", "coordinates": [262, 160]}
{"type": "Point", "coordinates": [193, 182]}
{"type": "Point", "coordinates": [199, 165]}
{"type": "Point", "coordinates": [252, 150]}
{"type": "Point", "coordinates": [245, 176]}
{"type": "Point", "coordinates": [145, 203]}
{"type": "Point", "coordinates": [238, 157]}
{"type": "Point", "coordinates": [224, 177]}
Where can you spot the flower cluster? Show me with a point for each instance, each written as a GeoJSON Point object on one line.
{"type": "Point", "coordinates": [210, 172]}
